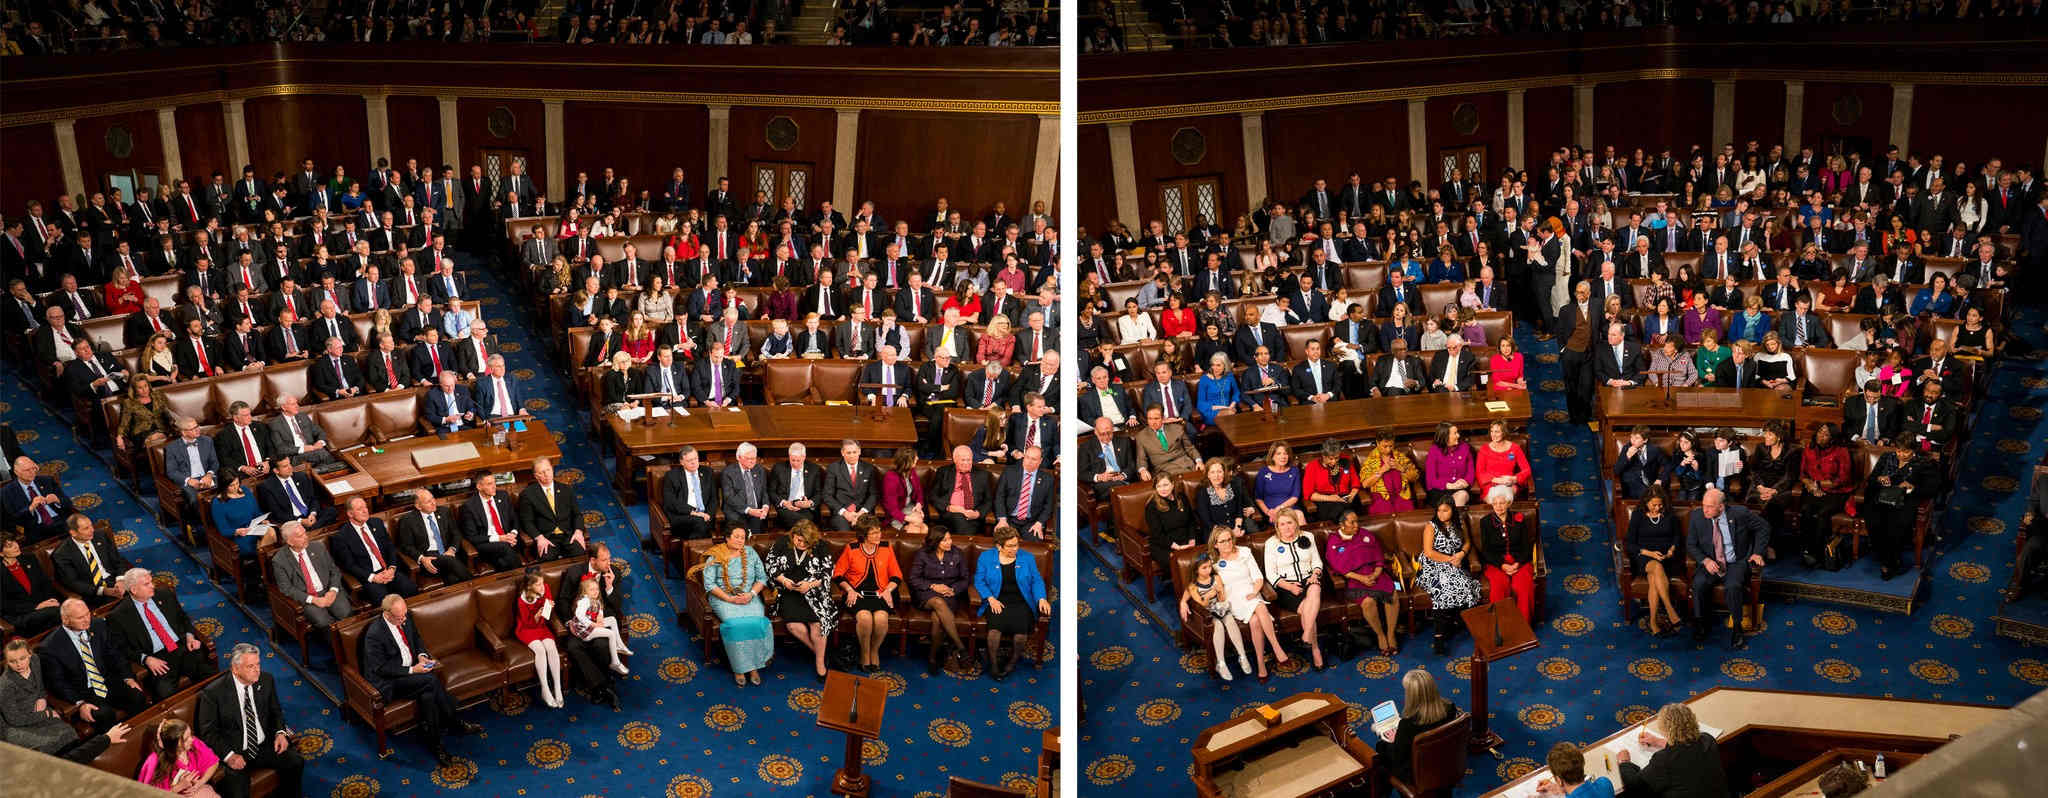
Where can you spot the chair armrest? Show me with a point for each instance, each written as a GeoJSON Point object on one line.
{"type": "Point", "coordinates": [491, 641]}
{"type": "Point", "coordinates": [353, 686]}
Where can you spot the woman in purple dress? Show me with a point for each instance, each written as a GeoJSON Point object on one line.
{"type": "Point", "coordinates": [1449, 469]}
{"type": "Point", "coordinates": [1364, 577]}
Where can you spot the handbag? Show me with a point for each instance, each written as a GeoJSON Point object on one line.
{"type": "Point", "coordinates": [1892, 497]}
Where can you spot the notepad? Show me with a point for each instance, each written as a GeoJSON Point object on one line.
{"type": "Point", "coordinates": [1496, 407]}
{"type": "Point", "coordinates": [339, 486]}
{"type": "Point", "coordinates": [631, 413]}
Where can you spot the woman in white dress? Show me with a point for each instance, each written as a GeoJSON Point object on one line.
{"type": "Point", "coordinates": [1296, 564]}
{"type": "Point", "coordinates": [1245, 587]}
{"type": "Point", "coordinates": [1135, 324]}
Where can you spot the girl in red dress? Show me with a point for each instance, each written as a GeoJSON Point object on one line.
{"type": "Point", "coordinates": [531, 627]}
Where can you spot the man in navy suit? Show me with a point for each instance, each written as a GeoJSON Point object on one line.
{"type": "Point", "coordinates": [1168, 393]}
{"type": "Point", "coordinates": [36, 503]}
{"type": "Point", "coordinates": [101, 687]}
{"type": "Point", "coordinates": [497, 395]}
{"type": "Point", "coordinates": [1024, 496]}
{"type": "Point", "coordinates": [362, 548]}
{"type": "Point", "coordinates": [294, 494]}
{"type": "Point", "coordinates": [1640, 466]}
{"type": "Point", "coordinates": [396, 663]}
{"type": "Point", "coordinates": [1253, 334]}
{"type": "Point", "coordinates": [1727, 542]}
{"type": "Point", "coordinates": [449, 408]}
{"type": "Point", "coordinates": [1101, 398]}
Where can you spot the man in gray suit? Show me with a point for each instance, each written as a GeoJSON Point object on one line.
{"type": "Point", "coordinates": [734, 342]}
{"type": "Point", "coordinates": [189, 460]}
{"type": "Point", "coordinates": [743, 489]}
{"type": "Point", "coordinates": [299, 435]}
{"type": "Point", "coordinates": [1727, 542]}
{"type": "Point", "coordinates": [539, 249]}
{"type": "Point", "coordinates": [322, 600]}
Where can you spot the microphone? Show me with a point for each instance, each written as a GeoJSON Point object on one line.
{"type": "Point", "coordinates": [1493, 611]}
{"type": "Point", "coordinates": [853, 709]}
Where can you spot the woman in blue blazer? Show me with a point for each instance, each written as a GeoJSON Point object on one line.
{"type": "Point", "coordinates": [1217, 390]}
{"type": "Point", "coordinates": [1013, 598]}
{"type": "Point", "coordinates": [1751, 324]}
{"type": "Point", "coordinates": [1936, 298]}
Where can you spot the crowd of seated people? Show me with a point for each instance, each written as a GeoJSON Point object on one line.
{"type": "Point", "coordinates": [1377, 289]}
{"type": "Point", "coordinates": [100, 26]}
{"type": "Point", "coordinates": [1251, 23]}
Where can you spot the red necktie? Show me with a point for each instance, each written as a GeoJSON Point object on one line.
{"type": "Point", "coordinates": [988, 393]}
{"type": "Point", "coordinates": [491, 511]}
{"type": "Point", "coordinates": [249, 448]}
{"type": "Point", "coordinates": [246, 281]}
{"type": "Point", "coordinates": [158, 629]}
{"type": "Point", "coordinates": [390, 373]}
{"type": "Point", "coordinates": [200, 347]}
{"type": "Point", "coordinates": [370, 545]}
{"type": "Point", "coordinates": [306, 571]}
{"type": "Point", "coordinates": [434, 352]}
{"type": "Point", "coordinates": [1024, 500]}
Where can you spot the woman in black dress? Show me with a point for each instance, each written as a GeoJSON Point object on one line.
{"type": "Point", "coordinates": [1652, 542]}
{"type": "Point", "coordinates": [802, 572]}
{"type": "Point", "coordinates": [1013, 598]}
{"type": "Point", "coordinates": [1169, 523]}
{"type": "Point", "coordinates": [1220, 501]}
{"type": "Point", "coordinates": [938, 582]}
{"type": "Point", "coordinates": [1211, 342]}
{"type": "Point", "coordinates": [1773, 471]}
{"type": "Point", "coordinates": [868, 571]}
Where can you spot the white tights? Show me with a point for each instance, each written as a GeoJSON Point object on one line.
{"type": "Point", "coordinates": [547, 662]}
{"type": "Point", "coordinates": [609, 630]}
{"type": "Point", "coordinates": [1227, 627]}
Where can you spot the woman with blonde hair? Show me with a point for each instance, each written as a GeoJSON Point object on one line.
{"type": "Point", "coordinates": [1685, 762]}
{"type": "Point", "coordinates": [145, 420]}
{"type": "Point", "coordinates": [802, 572]}
{"type": "Point", "coordinates": [1422, 708]}
{"type": "Point", "coordinates": [159, 365]}
{"type": "Point", "coordinates": [733, 580]}
{"type": "Point", "coordinates": [996, 343]}
{"type": "Point", "coordinates": [1245, 588]}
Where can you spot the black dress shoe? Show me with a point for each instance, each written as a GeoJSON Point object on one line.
{"type": "Point", "coordinates": [1739, 642]}
{"type": "Point", "coordinates": [1885, 573]}
{"type": "Point", "coordinates": [441, 756]}
{"type": "Point", "coordinates": [468, 727]}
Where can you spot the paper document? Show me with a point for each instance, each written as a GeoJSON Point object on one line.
{"type": "Point", "coordinates": [339, 486]}
{"type": "Point", "coordinates": [1496, 407]}
{"type": "Point", "coordinates": [630, 413]}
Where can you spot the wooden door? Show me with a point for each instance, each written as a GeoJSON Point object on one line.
{"type": "Point", "coordinates": [782, 179]}
{"type": "Point", "coordinates": [1183, 201]}
{"type": "Point", "coordinates": [1472, 160]}
{"type": "Point", "coordinates": [498, 163]}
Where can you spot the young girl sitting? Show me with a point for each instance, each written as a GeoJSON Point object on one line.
{"type": "Point", "coordinates": [179, 762]}
{"type": "Point", "coordinates": [536, 606]}
{"type": "Point", "coordinates": [590, 623]}
{"type": "Point", "coordinates": [1206, 591]}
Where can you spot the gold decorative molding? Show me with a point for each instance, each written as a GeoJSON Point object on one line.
{"type": "Point", "coordinates": [1025, 107]}
{"type": "Point", "coordinates": [334, 61]}
{"type": "Point", "coordinates": [1286, 103]}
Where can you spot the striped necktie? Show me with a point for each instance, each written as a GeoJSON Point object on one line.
{"type": "Point", "coordinates": [93, 680]}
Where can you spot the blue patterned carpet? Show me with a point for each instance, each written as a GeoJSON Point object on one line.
{"type": "Point", "coordinates": [686, 730]}
{"type": "Point", "coordinates": [1146, 699]}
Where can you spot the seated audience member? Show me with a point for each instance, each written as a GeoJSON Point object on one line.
{"type": "Point", "coordinates": [179, 762]}
{"type": "Point", "coordinates": [689, 496]}
{"type": "Point", "coordinates": [242, 721]}
{"type": "Point", "coordinates": [1422, 709]}
{"type": "Point", "coordinates": [733, 578]}
{"type": "Point", "coordinates": [549, 517]}
{"type": "Point", "coordinates": [427, 538]}
{"type": "Point", "coordinates": [1013, 599]}
{"type": "Point", "coordinates": [532, 612]}
{"type": "Point", "coordinates": [34, 502]}
{"type": "Point", "coordinates": [1024, 497]}
{"type": "Point", "coordinates": [1686, 760]}
{"type": "Point", "coordinates": [29, 719]}
{"type": "Point", "coordinates": [29, 598]}
{"type": "Point", "coordinates": [88, 564]}
{"type": "Point", "coordinates": [960, 496]}
{"type": "Point", "coordinates": [490, 523]}
{"type": "Point", "coordinates": [87, 665]}
{"type": "Point", "coordinates": [153, 627]}
{"type": "Point", "coordinates": [305, 572]}
{"type": "Point", "coordinates": [1568, 775]}
{"type": "Point", "coordinates": [868, 573]}
{"type": "Point", "coordinates": [1724, 542]}
{"type": "Point", "coordinates": [1652, 544]}
{"type": "Point", "coordinates": [293, 493]}
{"type": "Point", "coordinates": [363, 549]}
{"type": "Point", "coordinates": [802, 571]}
{"type": "Point", "coordinates": [796, 486]}
{"type": "Point", "coordinates": [398, 666]}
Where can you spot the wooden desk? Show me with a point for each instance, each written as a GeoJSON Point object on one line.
{"type": "Point", "coordinates": [1804, 781]}
{"type": "Point", "coordinates": [1621, 409]}
{"type": "Point", "coordinates": [360, 483]}
{"type": "Point", "coordinates": [767, 427]}
{"type": "Point", "coordinates": [1310, 752]}
{"type": "Point", "coordinates": [845, 692]}
{"type": "Point", "coordinates": [1415, 414]}
{"type": "Point", "coordinates": [394, 472]}
{"type": "Point", "coordinates": [1787, 717]}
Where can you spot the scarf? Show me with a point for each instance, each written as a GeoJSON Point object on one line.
{"type": "Point", "coordinates": [726, 556]}
{"type": "Point", "coordinates": [1375, 463]}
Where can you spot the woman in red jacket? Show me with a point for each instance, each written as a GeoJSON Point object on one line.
{"type": "Point", "coordinates": [871, 577]}
{"type": "Point", "coordinates": [1508, 551]}
{"type": "Point", "coordinates": [1503, 466]}
{"type": "Point", "coordinates": [1824, 473]}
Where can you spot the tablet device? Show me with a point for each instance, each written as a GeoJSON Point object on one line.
{"type": "Point", "coordinates": [1384, 718]}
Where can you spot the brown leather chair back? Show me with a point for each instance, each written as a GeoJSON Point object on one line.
{"type": "Point", "coordinates": [241, 386]}
{"type": "Point", "coordinates": [164, 288]}
{"type": "Point", "coordinates": [1298, 336]}
{"type": "Point", "coordinates": [786, 381]}
{"type": "Point", "coordinates": [288, 379]}
{"type": "Point", "coordinates": [836, 380]}
{"type": "Point", "coordinates": [395, 413]}
{"type": "Point", "coordinates": [1942, 330]}
{"type": "Point", "coordinates": [1119, 292]}
{"type": "Point", "coordinates": [1436, 295]}
{"type": "Point", "coordinates": [1365, 277]}
{"type": "Point", "coordinates": [1844, 327]}
{"type": "Point", "coordinates": [346, 423]}
{"type": "Point", "coordinates": [1496, 324]}
{"type": "Point", "coordinates": [913, 339]}
{"type": "Point", "coordinates": [1828, 372]}
{"type": "Point", "coordinates": [1438, 756]}
{"type": "Point", "coordinates": [106, 331]}
{"type": "Point", "coordinates": [960, 426]}
{"type": "Point", "coordinates": [194, 400]}
{"type": "Point", "coordinates": [1128, 507]}
{"type": "Point", "coordinates": [447, 621]}
{"type": "Point", "coordinates": [579, 345]}
{"type": "Point", "coordinates": [1672, 260]}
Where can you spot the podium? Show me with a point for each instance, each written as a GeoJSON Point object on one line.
{"type": "Point", "coordinates": [852, 705]}
{"type": "Point", "coordinates": [1498, 631]}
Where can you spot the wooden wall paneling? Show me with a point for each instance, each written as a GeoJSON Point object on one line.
{"type": "Point", "coordinates": [1691, 114]}
{"type": "Point", "coordinates": [528, 133]}
{"type": "Point", "coordinates": [1095, 180]}
{"type": "Point", "coordinates": [817, 141]}
{"type": "Point", "coordinates": [1760, 114]}
{"type": "Point", "coordinates": [415, 130]}
{"type": "Point", "coordinates": [1546, 125]}
{"type": "Point", "coordinates": [329, 128]}
{"type": "Point", "coordinates": [1223, 156]}
{"type": "Point", "coordinates": [1491, 116]}
{"type": "Point", "coordinates": [2008, 124]}
{"type": "Point", "coordinates": [96, 156]}
{"type": "Point", "coordinates": [1331, 143]}
{"type": "Point", "coordinates": [639, 142]}
{"type": "Point", "coordinates": [1829, 108]}
{"type": "Point", "coordinates": [202, 141]}
{"type": "Point", "coordinates": [1631, 114]}
{"type": "Point", "coordinates": [908, 159]}
{"type": "Point", "coordinates": [32, 169]}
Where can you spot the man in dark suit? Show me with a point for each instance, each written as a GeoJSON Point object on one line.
{"type": "Point", "coordinates": [887, 371]}
{"type": "Point", "coordinates": [1398, 292]}
{"type": "Point", "coordinates": [1451, 368]}
{"type": "Point", "coordinates": [1108, 461]}
{"type": "Point", "coordinates": [396, 663]}
{"type": "Point", "coordinates": [689, 497]}
{"type": "Point", "coordinates": [293, 493]}
{"type": "Point", "coordinates": [92, 374]}
{"type": "Point", "coordinates": [987, 387]}
{"type": "Point", "coordinates": [334, 375]}
{"type": "Point", "coordinates": [85, 664]}
{"type": "Point", "coordinates": [449, 408]}
{"type": "Point", "coordinates": [1168, 393]}
{"type": "Point", "coordinates": [430, 356]}
{"type": "Point", "coordinates": [1398, 373]}
{"type": "Point", "coordinates": [386, 368]}
{"type": "Point", "coordinates": [1619, 363]}
{"type": "Point", "coordinates": [743, 490]}
{"type": "Point", "coordinates": [1102, 399]}
{"type": "Point", "coordinates": [1253, 334]}
{"type": "Point", "coordinates": [717, 382]}
{"type": "Point", "coordinates": [795, 487]}
{"type": "Point", "coordinates": [548, 514]}
{"type": "Point", "coordinates": [490, 524]}
{"type": "Point", "coordinates": [1726, 542]}
{"type": "Point", "coordinates": [1873, 417]}
{"type": "Point", "coordinates": [240, 348]}
{"type": "Point", "coordinates": [1033, 426]}
{"type": "Point", "coordinates": [1929, 420]}
{"type": "Point", "coordinates": [1938, 366]}
{"type": "Point", "coordinates": [88, 565]}
{"type": "Point", "coordinates": [241, 719]}
{"type": "Point", "coordinates": [497, 396]}
{"type": "Point", "coordinates": [1802, 328]}
{"type": "Point", "coordinates": [1738, 371]}
{"type": "Point", "coordinates": [152, 626]}
{"type": "Point", "coordinates": [916, 302]}
{"type": "Point", "coordinates": [1264, 382]}
{"type": "Point", "coordinates": [960, 496]}
{"type": "Point", "coordinates": [427, 538]}
{"type": "Point", "coordinates": [852, 488]}
{"type": "Point", "coordinates": [363, 549]}
{"type": "Point", "coordinates": [1024, 497]}
{"type": "Point", "coordinates": [288, 340]}
{"type": "Point", "coordinates": [1640, 465]}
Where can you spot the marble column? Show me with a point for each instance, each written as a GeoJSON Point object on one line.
{"type": "Point", "coordinates": [1045, 166]}
{"type": "Point", "coordinates": [167, 131]}
{"type": "Point", "coordinates": [1254, 155]}
{"type": "Point", "coordinates": [67, 160]}
{"type": "Point", "coordinates": [845, 158]}
{"type": "Point", "coordinates": [557, 160]}
{"type": "Point", "coordinates": [238, 135]}
{"type": "Point", "coordinates": [1123, 168]}
{"type": "Point", "coordinates": [1795, 116]}
{"type": "Point", "coordinates": [451, 136]}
